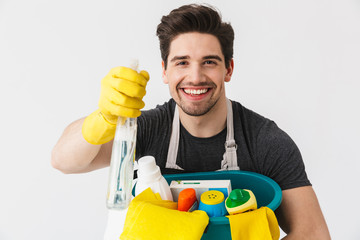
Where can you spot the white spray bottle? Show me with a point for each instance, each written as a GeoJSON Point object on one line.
{"type": "Point", "coordinates": [122, 161]}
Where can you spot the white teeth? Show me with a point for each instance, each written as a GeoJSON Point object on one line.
{"type": "Point", "coordinates": [195, 92]}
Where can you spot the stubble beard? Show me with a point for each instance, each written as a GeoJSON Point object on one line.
{"type": "Point", "coordinates": [200, 109]}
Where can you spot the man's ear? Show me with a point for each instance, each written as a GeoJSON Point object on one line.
{"type": "Point", "coordinates": [165, 80]}
{"type": "Point", "coordinates": [229, 71]}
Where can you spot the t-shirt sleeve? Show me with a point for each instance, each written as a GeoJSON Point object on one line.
{"type": "Point", "coordinates": [281, 158]}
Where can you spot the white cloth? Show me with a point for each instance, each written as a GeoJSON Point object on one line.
{"type": "Point", "coordinates": [115, 224]}
{"type": "Point", "coordinates": [116, 219]}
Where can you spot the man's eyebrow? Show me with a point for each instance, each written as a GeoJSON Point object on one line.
{"type": "Point", "coordinates": [175, 58]}
{"type": "Point", "coordinates": [213, 57]}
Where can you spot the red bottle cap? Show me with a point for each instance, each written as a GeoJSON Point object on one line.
{"type": "Point", "coordinates": [187, 198]}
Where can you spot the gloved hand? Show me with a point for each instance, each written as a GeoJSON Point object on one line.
{"type": "Point", "coordinates": [121, 95]}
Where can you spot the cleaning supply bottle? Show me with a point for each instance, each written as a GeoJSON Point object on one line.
{"type": "Point", "coordinates": [187, 201]}
{"type": "Point", "coordinates": [240, 200]}
{"type": "Point", "coordinates": [122, 161]}
{"type": "Point", "coordinates": [149, 176]}
{"type": "Point", "coordinates": [212, 202]}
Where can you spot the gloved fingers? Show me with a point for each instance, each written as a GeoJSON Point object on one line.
{"type": "Point", "coordinates": [110, 108]}
{"type": "Point", "coordinates": [145, 74]}
{"type": "Point", "coordinates": [119, 98]}
{"type": "Point", "coordinates": [131, 75]}
{"type": "Point", "coordinates": [127, 87]}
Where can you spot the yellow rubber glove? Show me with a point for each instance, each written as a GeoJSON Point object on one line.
{"type": "Point", "coordinates": [260, 224]}
{"type": "Point", "coordinates": [122, 90]}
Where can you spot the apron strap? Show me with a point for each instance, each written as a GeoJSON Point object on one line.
{"type": "Point", "coordinates": [174, 142]}
{"type": "Point", "coordinates": [229, 161]}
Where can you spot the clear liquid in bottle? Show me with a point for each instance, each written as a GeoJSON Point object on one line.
{"type": "Point", "coordinates": [122, 164]}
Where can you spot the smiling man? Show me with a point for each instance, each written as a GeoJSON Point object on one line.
{"type": "Point", "coordinates": [196, 74]}
{"type": "Point", "coordinates": [188, 133]}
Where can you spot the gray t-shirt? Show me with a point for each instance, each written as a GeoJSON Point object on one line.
{"type": "Point", "coordinates": [262, 146]}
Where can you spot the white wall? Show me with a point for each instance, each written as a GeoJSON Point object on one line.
{"type": "Point", "coordinates": [297, 62]}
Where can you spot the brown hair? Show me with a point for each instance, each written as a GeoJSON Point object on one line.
{"type": "Point", "coordinates": [195, 18]}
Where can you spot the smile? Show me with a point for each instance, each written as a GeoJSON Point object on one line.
{"type": "Point", "coordinates": [195, 91]}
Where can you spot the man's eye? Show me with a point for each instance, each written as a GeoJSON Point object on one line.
{"type": "Point", "coordinates": [181, 63]}
{"type": "Point", "coordinates": [209, 62]}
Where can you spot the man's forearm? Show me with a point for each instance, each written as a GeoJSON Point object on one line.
{"type": "Point", "coordinates": [300, 216]}
{"type": "Point", "coordinates": [73, 154]}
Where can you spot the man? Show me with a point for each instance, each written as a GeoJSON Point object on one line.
{"type": "Point", "coordinates": [188, 133]}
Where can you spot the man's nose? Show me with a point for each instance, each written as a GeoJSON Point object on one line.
{"type": "Point", "coordinates": [196, 73]}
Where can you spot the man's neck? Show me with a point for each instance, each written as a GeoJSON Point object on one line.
{"type": "Point", "coordinates": [206, 125]}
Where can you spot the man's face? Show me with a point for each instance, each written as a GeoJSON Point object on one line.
{"type": "Point", "coordinates": [196, 72]}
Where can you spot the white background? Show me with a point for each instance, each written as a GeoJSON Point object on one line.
{"type": "Point", "coordinates": [296, 62]}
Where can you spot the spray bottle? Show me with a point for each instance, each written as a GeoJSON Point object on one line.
{"type": "Point", "coordinates": [122, 161]}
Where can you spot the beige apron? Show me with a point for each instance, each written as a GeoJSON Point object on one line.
{"type": "Point", "coordinates": [229, 161]}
